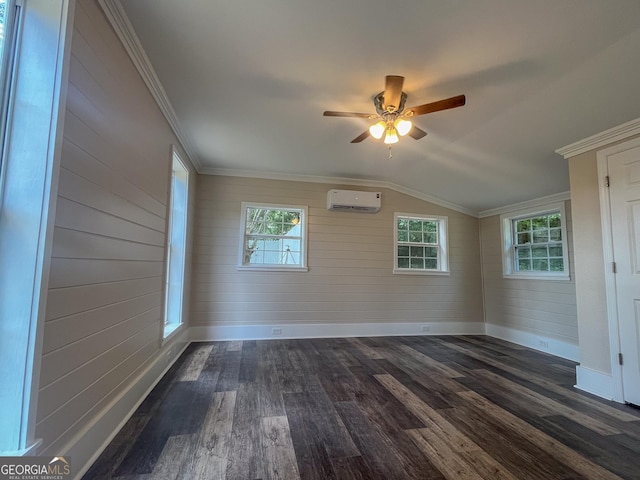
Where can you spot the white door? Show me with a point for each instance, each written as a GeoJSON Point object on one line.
{"type": "Point", "coordinates": [624, 191]}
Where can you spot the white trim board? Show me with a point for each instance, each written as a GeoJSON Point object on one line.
{"type": "Point", "coordinates": [541, 343]}
{"type": "Point", "coordinates": [331, 330]}
{"type": "Point", "coordinates": [601, 139]}
{"type": "Point", "coordinates": [594, 382]}
{"type": "Point", "coordinates": [533, 203]}
{"type": "Point", "coordinates": [89, 443]}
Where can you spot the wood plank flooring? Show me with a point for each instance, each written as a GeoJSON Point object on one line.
{"type": "Point", "coordinates": [463, 407]}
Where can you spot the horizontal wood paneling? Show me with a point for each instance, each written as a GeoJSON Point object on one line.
{"type": "Point", "coordinates": [104, 315]}
{"type": "Point", "coordinates": [350, 263]}
{"type": "Point", "coordinates": [543, 307]}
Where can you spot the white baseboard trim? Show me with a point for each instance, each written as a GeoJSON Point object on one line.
{"type": "Point", "coordinates": [537, 342]}
{"type": "Point", "coordinates": [287, 331]}
{"type": "Point", "coordinates": [89, 443]}
{"type": "Point", "coordinates": [594, 382]}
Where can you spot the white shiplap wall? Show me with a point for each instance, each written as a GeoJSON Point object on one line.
{"type": "Point", "coordinates": [104, 308]}
{"type": "Point", "coordinates": [542, 308]}
{"type": "Point", "coordinates": [350, 262]}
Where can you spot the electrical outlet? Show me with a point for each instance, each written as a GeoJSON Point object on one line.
{"type": "Point", "coordinates": [276, 331]}
{"type": "Point", "coordinates": [543, 344]}
{"type": "Point", "coordinates": [426, 328]}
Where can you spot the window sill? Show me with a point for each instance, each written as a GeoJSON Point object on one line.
{"type": "Point", "coordinates": [553, 278]}
{"type": "Point", "coordinates": [170, 331]}
{"type": "Point", "coordinates": [272, 268]}
{"type": "Point", "coordinates": [401, 271]}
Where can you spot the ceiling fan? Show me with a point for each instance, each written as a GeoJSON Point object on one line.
{"type": "Point", "coordinates": [392, 114]}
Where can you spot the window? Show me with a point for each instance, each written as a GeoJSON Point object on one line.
{"type": "Point", "coordinates": [273, 237]}
{"type": "Point", "coordinates": [35, 37]}
{"type": "Point", "coordinates": [176, 244]}
{"type": "Point", "coordinates": [535, 243]}
{"type": "Point", "coordinates": [420, 244]}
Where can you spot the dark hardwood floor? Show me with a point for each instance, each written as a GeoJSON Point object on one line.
{"type": "Point", "coordinates": [465, 407]}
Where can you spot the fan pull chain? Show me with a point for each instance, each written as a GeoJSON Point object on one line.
{"type": "Point", "coordinates": [390, 154]}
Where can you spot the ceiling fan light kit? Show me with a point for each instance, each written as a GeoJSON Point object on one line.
{"type": "Point", "coordinates": [393, 117]}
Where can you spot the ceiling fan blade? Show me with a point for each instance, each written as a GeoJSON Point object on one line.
{"type": "Point", "coordinates": [392, 92]}
{"type": "Point", "coordinates": [361, 137]}
{"type": "Point", "coordinates": [417, 133]}
{"type": "Point", "coordinates": [446, 104]}
{"type": "Point", "coordinates": [349, 114]}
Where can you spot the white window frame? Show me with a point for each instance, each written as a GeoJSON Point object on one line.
{"type": "Point", "coordinates": [443, 244]}
{"type": "Point", "coordinates": [273, 267]}
{"type": "Point", "coordinates": [509, 268]}
{"type": "Point", "coordinates": [176, 244]}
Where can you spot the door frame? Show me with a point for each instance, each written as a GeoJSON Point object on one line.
{"type": "Point", "coordinates": [607, 253]}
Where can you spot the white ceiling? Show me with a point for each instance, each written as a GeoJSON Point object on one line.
{"type": "Point", "coordinates": [249, 81]}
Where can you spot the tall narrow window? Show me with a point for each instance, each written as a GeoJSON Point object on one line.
{"type": "Point", "coordinates": [33, 39]}
{"type": "Point", "coordinates": [176, 245]}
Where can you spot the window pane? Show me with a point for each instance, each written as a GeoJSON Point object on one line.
{"type": "Point", "coordinates": [403, 236]}
{"type": "Point", "coordinates": [555, 235]}
{"type": "Point", "coordinates": [431, 252]}
{"type": "Point", "coordinates": [267, 221]}
{"type": "Point", "coordinates": [540, 265]}
{"type": "Point", "coordinates": [555, 251]}
{"type": "Point", "coordinates": [430, 226]}
{"type": "Point", "coordinates": [524, 238]}
{"type": "Point", "coordinates": [415, 237]}
{"type": "Point", "coordinates": [539, 252]}
{"type": "Point", "coordinates": [403, 251]}
{"type": "Point", "coordinates": [524, 252]}
{"type": "Point", "coordinates": [417, 263]}
{"type": "Point", "coordinates": [540, 236]}
{"type": "Point", "coordinates": [403, 224]}
{"type": "Point", "coordinates": [540, 222]}
{"type": "Point", "coordinates": [417, 251]}
{"type": "Point", "coordinates": [554, 220]}
{"type": "Point", "coordinates": [524, 265]}
{"type": "Point", "coordinates": [431, 238]}
{"type": "Point", "coordinates": [403, 263]}
{"type": "Point", "coordinates": [523, 225]}
{"type": "Point", "coordinates": [556, 265]}
{"type": "Point", "coordinates": [431, 263]}
{"type": "Point", "coordinates": [415, 225]}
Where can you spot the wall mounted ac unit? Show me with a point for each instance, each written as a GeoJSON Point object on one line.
{"type": "Point", "coordinates": [353, 201]}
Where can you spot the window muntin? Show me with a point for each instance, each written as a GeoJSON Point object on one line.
{"type": "Point", "coordinates": [273, 237]}
{"type": "Point", "coordinates": [420, 244]}
{"type": "Point", "coordinates": [535, 243]}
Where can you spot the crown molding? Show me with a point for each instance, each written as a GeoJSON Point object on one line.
{"type": "Point", "coordinates": [536, 202]}
{"type": "Point", "coordinates": [124, 30]}
{"type": "Point", "coordinates": [602, 139]}
{"type": "Point", "coordinates": [342, 181]}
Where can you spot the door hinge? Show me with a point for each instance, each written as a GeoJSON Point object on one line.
{"type": "Point", "coordinates": [606, 181]}
{"type": "Point", "coordinates": [614, 267]}
{"type": "Point", "coordinates": [620, 359]}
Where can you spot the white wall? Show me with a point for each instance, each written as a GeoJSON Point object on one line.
{"type": "Point", "coordinates": [350, 279]}
{"type": "Point", "coordinates": [104, 309]}
{"type": "Point", "coordinates": [538, 313]}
